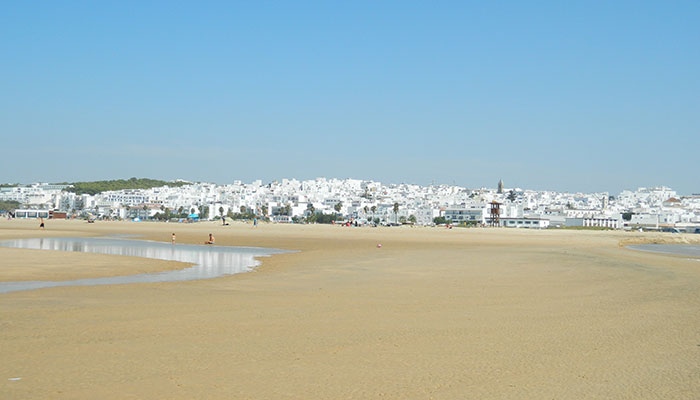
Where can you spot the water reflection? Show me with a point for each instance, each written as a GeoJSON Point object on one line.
{"type": "Point", "coordinates": [209, 261]}
{"type": "Point", "coordinates": [692, 250]}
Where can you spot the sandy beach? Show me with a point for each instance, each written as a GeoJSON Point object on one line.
{"type": "Point", "coordinates": [433, 313]}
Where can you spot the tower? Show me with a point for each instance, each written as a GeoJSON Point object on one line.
{"type": "Point", "coordinates": [500, 186]}
{"type": "Point", "coordinates": [495, 213]}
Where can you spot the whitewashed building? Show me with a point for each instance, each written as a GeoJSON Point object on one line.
{"type": "Point", "coordinates": [523, 222]}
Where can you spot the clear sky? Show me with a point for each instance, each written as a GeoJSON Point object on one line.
{"type": "Point", "coordinates": [561, 95]}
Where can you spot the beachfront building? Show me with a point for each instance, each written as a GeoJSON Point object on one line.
{"type": "Point", "coordinates": [555, 220]}
{"type": "Point", "coordinates": [426, 214]}
{"type": "Point", "coordinates": [111, 211]}
{"type": "Point", "coordinates": [644, 221]}
{"type": "Point", "coordinates": [24, 213]}
{"type": "Point", "coordinates": [283, 219]}
{"type": "Point", "coordinates": [218, 210]}
{"type": "Point", "coordinates": [475, 213]}
{"type": "Point", "coordinates": [66, 201]}
{"type": "Point", "coordinates": [143, 211]}
{"type": "Point", "coordinates": [531, 223]}
{"type": "Point", "coordinates": [599, 221]}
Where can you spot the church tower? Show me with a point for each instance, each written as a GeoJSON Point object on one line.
{"type": "Point", "coordinates": [500, 186]}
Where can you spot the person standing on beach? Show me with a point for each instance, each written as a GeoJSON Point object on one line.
{"type": "Point", "coordinates": [173, 239]}
{"type": "Point", "coordinates": [41, 225]}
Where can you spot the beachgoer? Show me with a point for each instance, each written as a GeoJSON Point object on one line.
{"type": "Point", "coordinates": [42, 224]}
{"type": "Point", "coordinates": [211, 239]}
{"type": "Point", "coordinates": [255, 222]}
{"type": "Point", "coordinates": [173, 239]}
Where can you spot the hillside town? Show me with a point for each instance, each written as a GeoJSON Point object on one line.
{"type": "Point", "coordinates": [362, 202]}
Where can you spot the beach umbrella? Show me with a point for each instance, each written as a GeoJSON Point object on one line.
{"type": "Point", "coordinates": [193, 216]}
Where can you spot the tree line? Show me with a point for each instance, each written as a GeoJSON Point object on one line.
{"type": "Point", "coordinates": [94, 187]}
{"type": "Point", "coordinates": [9, 205]}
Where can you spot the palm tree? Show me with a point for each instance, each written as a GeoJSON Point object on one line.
{"type": "Point", "coordinates": [338, 206]}
{"type": "Point", "coordinates": [242, 209]}
{"type": "Point", "coordinates": [310, 209]}
{"type": "Point", "coordinates": [396, 212]}
{"type": "Point", "coordinates": [374, 209]}
{"type": "Point", "coordinates": [221, 210]}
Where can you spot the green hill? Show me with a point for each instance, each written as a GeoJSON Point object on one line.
{"type": "Point", "coordinates": [119, 184]}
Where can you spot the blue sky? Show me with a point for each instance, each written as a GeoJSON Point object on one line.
{"type": "Point", "coordinates": [579, 96]}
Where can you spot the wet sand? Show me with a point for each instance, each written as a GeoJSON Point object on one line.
{"type": "Point", "coordinates": [434, 313]}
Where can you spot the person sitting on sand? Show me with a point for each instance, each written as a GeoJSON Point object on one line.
{"type": "Point", "coordinates": [41, 226]}
{"type": "Point", "coordinates": [211, 239]}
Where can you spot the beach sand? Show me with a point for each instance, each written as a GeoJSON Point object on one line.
{"type": "Point", "coordinates": [434, 313]}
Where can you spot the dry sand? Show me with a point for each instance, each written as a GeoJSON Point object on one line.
{"type": "Point", "coordinates": [434, 313]}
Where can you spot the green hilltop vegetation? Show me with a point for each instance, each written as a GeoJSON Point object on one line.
{"type": "Point", "coordinates": [9, 205]}
{"type": "Point", "coordinates": [95, 187]}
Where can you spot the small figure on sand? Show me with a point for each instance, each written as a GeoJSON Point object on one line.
{"type": "Point", "coordinates": [255, 222]}
{"type": "Point", "coordinates": [41, 225]}
{"type": "Point", "coordinates": [173, 239]}
{"type": "Point", "coordinates": [211, 239]}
